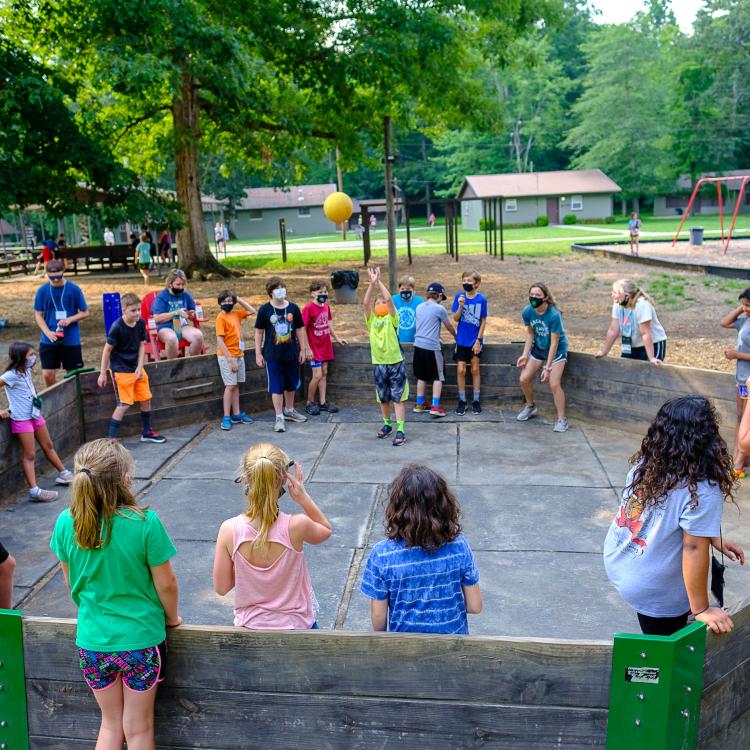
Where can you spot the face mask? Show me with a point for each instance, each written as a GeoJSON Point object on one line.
{"type": "Point", "coordinates": [175, 292]}
{"type": "Point", "coordinates": [536, 301]}
{"type": "Point", "coordinates": [30, 361]}
{"type": "Point", "coordinates": [279, 293]}
{"type": "Point", "coordinates": [381, 310]}
{"type": "Point", "coordinates": [405, 295]}
{"type": "Point", "coordinates": [468, 287]}
{"type": "Point", "coordinates": [624, 301]}
{"type": "Point", "coordinates": [322, 298]}
{"type": "Point", "coordinates": [227, 306]}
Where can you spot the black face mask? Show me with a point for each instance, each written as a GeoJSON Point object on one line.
{"type": "Point", "coordinates": [227, 306]}
{"type": "Point", "coordinates": [624, 301]}
{"type": "Point", "coordinates": [468, 287]}
{"type": "Point", "coordinates": [322, 299]}
{"type": "Point", "coordinates": [406, 295]}
{"type": "Point", "coordinates": [175, 292]}
{"type": "Point", "coordinates": [536, 301]}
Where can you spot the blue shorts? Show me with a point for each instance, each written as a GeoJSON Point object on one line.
{"type": "Point", "coordinates": [282, 376]}
{"type": "Point", "coordinates": [316, 363]}
{"type": "Point", "coordinates": [140, 670]}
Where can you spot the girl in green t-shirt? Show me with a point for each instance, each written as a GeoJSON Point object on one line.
{"type": "Point", "coordinates": [115, 559]}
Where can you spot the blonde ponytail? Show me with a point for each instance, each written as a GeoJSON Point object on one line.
{"type": "Point", "coordinates": [634, 292]}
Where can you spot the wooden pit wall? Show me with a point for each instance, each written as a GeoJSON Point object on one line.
{"type": "Point", "coordinates": [233, 689]}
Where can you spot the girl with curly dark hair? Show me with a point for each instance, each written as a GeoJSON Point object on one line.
{"type": "Point", "coordinates": [657, 550]}
{"type": "Point", "coordinates": [422, 578]}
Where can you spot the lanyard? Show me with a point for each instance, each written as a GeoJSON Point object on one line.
{"type": "Point", "coordinates": [62, 296]}
{"type": "Point", "coordinates": [29, 384]}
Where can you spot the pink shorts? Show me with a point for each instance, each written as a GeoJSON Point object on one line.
{"type": "Point", "coordinates": [26, 425]}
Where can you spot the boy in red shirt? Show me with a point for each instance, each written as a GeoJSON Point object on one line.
{"type": "Point", "coordinates": [230, 351]}
{"type": "Point", "coordinates": [317, 316]}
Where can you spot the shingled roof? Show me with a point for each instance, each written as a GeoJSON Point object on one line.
{"type": "Point", "coordinates": [533, 184]}
{"type": "Point", "coordinates": [289, 197]}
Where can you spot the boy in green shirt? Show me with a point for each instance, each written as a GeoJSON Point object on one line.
{"type": "Point", "coordinates": [391, 383]}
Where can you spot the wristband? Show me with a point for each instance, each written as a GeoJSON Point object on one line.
{"type": "Point", "coordinates": [481, 342]}
{"type": "Point", "coordinates": [695, 614]}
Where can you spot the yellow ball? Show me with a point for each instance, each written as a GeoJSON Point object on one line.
{"type": "Point", "coordinates": [338, 207]}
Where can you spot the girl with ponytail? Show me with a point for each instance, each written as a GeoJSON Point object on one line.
{"type": "Point", "coordinates": [115, 559]}
{"type": "Point", "coordinates": [259, 553]}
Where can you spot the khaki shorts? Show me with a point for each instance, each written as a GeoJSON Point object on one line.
{"type": "Point", "coordinates": [229, 377]}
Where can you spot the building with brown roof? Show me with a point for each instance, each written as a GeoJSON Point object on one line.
{"type": "Point", "coordinates": [522, 197]}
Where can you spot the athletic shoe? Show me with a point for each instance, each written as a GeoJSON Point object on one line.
{"type": "Point", "coordinates": [42, 496]}
{"type": "Point", "coordinates": [461, 408]}
{"type": "Point", "coordinates": [312, 408]}
{"type": "Point", "coordinates": [476, 407]}
{"type": "Point", "coordinates": [437, 411]}
{"type": "Point", "coordinates": [241, 418]}
{"type": "Point", "coordinates": [420, 408]}
{"type": "Point", "coordinates": [400, 438]}
{"type": "Point", "coordinates": [279, 425]}
{"type": "Point", "coordinates": [528, 411]}
{"type": "Point", "coordinates": [329, 407]}
{"type": "Point", "coordinates": [385, 430]}
{"type": "Point", "coordinates": [64, 477]}
{"type": "Point", "coordinates": [294, 416]}
{"type": "Point", "coordinates": [561, 425]}
{"type": "Point", "coordinates": [152, 437]}
{"type": "Point", "coordinates": [226, 423]}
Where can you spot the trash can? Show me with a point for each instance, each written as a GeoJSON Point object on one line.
{"type": "Point", "coordinates": [696, 235]}
{"type": "Point", "coordinates": [345, 285]}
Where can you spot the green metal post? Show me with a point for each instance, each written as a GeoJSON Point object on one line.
{"type": "Point", "coordinates": [655, 694]}
{"type": "Point", "coordinates": [79, 396]}
{"type": "Point", "coordinates": [14, 728]}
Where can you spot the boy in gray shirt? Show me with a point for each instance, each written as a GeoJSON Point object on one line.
{"type": "Point", "coordinates": [429, 364]}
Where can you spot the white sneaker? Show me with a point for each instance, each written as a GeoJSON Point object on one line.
{"type": "Point", "coordinates": [294, 416]}
{"type": "Point", "coordinates": [279, 426]}
{"type": "Point", "coordinates": [64, 477]}
{"type": "Point", "coordinates": [561, 425]}
{"type": "Point", "coordinates": [42, 496]}
{"type": "Point", "coordinates": [528, 411]}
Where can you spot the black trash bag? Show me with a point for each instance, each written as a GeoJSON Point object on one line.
{"type": "Point", "coordinates": [340, 279]}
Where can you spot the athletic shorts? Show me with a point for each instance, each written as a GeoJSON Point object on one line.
{"type": "Point", "coordinates": [314, 363]}
{"type": "Point", "coordinates": [391, 383]}
{"type": "Point", "coordinates": [229, 377]}
{"type": "Point", "coordinates": [54, 356]}
{"type": "Point", "coordinates": [144, 266]}
{"type": "Point", "coordinates": [128, 390]}
{"type": "Point", "coordinates": [140, 670]}
{"type": "Point", "coordinates": [428, 365]}
{"type": "Point", "coordinates": [4, 554]}
{"type": "Point", "coordinates": [26, 425]}
{"type": "Point", "coordinates": [464, 354]}
{"type": "Point", "coordinates": [640, 353]}
{"type": "Point", "coordinates": [541, 356]}
{"type": "Point", "coordinates": [282, 376]}
{"type": "Point", "coordinates": [742, 390]}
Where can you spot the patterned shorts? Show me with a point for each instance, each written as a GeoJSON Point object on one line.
{"type": "Point", "coordinates": [391, 383]}
{"type": "Point", "coordinates": [140, 670]}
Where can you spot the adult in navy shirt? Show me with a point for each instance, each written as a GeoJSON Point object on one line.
{"type": "Point", "coordinates": [173, 311]}
{"type": "Point", "coordinates": [58, 307]}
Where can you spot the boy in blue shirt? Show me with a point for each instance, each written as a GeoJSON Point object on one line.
{"type": "Point", "coordinates": [470, 312]}
{"type": "Point", "coordinates": [406, 303]}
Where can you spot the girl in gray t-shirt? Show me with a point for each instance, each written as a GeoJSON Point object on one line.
{"type": "Point", "coordinates": [657, 550]}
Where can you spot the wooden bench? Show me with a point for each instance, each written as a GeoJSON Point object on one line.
{"type": "Point", "coordinates": [103, 256]}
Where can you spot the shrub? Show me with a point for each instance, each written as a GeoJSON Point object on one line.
{"type": "Point", "coordinates": [569, 219]}
{"type": "Point", "coordinates": [542, 221]}
{"type": "Point", "coordinates": [486, 224]}
{"type": "Point", "coordinates": [609, 220]}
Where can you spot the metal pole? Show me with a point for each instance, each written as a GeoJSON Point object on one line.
{"type": "Point", "coordinates": [736, 211]}
{"type": "Point", "coordinates": [340, 180]}
{"type": "Point", "coordinates": [445, 211]}
{"type": "Point", "coordinates": [282, 235]}
{"type": "Point", "coordinates": [390, 213]}
{"type": "Point", "coordinates": [687, 210]}
{"type": "Point", "coordinates": [408, 231]}
{"type": "Point", "coordinates": [484, 222]}
{"type": "Point", "coordinates": [366, 234]}
{"type": "Point", "coordinates": [494, 227]}
{"type": "Point", "coordinates": [502, 245]}
{"type": "Point", "coordinates": [456, 205]}
{"type": "Point", "coordinates": [721, 208]}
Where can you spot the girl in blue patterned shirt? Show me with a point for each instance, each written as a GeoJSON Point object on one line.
{"type": "Point", "coordinates": [422, 578]}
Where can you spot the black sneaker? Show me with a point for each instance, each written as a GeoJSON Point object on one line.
{"type": "Point", "coordinates": [329, 407]}
{"type": "Point", "coordinates": [152, 437]}
{"type": "Point", "coordinates": [461, 408]}
{"type": "Point", "coordinates": [400, 439]}
{"type": "Point", "coordinates": [476, 407]}
{"type": "Point", "coordinates": [312, 408]}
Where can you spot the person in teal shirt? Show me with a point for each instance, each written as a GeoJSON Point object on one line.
{"type": "Point", "coordinates": [115, 559]}
{"type": "Point", "coordinates": [406, 303]}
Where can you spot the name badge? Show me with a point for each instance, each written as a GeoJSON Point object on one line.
{"type": "Point", "coordinates": [60, 315]}
{"type": "Point", "coordinates": [242, 346]}
{"type": "Point", "coordinates": [36, 407]}
{"type": "Point", "coordinates": [627, 345]}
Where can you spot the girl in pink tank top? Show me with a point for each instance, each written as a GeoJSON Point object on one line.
{"type": "Point", "coordinates": [259, 553]}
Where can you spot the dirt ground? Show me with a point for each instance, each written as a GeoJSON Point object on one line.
{"type": "Point", "coordinates": [690, 305]}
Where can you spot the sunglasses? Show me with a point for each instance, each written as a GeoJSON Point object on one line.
{"type": "Point", "coordinates": [56, 277]}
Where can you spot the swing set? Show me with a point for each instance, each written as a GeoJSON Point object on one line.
{"type": "Point", "coordinates": [718, 180]}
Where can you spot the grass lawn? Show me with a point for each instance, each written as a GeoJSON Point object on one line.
{"type": "Point", "coordinates": [670, 223]}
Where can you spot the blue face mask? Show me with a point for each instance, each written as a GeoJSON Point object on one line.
{"type": "Point", "coordinates": [30, 361]}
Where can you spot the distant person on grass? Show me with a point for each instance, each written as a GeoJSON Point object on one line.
{"type": "Point", "coordinates": [109, 237]}
{"type": "Point", "coordinates": [406, 304]}
{"type": "Point", "coordinates": [47, 254]}
{"type": "Point", "coordinates": [260, 553]}
{"type": "Point", "coordinates": [142, 258]}
{"type": "Point", "coordinates": [422, 578]}
{"type": "Point", "coordinates": [59, 306]}
{"type": "Point", "coordinates": [634, 319]}
{"type": "Point", "coordinates": [470, 314]}
{"type": "Point", "coordinates": [230, 352]}
{"type": "Point", "coordinates": [634, 231]}
{"type": "Point", "coordinates": [389, 369]}
{"type": "Point", "coordinates": [123, 356]}
{"type": "Point", "coordinates": [26, 420]}
{"type": "Point", "coordinates": [281, 347]}
{"type": "Point", "coordinates": [173, 311]}
{"type": "Point", "coordinates": [317, 316]}
{"type": "Point", "coordinates": [115, 557]}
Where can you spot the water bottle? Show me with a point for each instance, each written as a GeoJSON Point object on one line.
{"type": "Point", "coordinates": [151, 325]}
{"type": "Point", "coordinates": [199, 311]}
{"type": "Point", "coordinates": [59, 332]}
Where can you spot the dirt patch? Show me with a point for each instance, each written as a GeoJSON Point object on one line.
{"type": "Point", "coordinates": [690, 305]}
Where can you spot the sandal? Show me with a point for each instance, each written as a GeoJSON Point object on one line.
{"type": "Point", "coordinates": [385, 430]}
{"type": "Point", "coordinates": [400, 439]}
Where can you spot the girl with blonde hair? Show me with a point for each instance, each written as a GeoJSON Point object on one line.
{"type": "Point", "coordinates": [634, 320]}
{"type": "Point", "coordinates": [115, 559]}
{"type": "Point", "coordinates": [259, 553]}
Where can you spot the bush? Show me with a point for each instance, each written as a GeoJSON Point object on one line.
{"type": "Point", "coordinates": [609, 220]}
{"type": "Point", "coordinates": [486, 224]}
{"type": "Point", "coordinates": [570, 219]}
{"type": "Point", "coordinates": [542, 221]}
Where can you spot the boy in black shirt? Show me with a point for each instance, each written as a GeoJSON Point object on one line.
{"type": "Point", "coordinates": [123, 356]}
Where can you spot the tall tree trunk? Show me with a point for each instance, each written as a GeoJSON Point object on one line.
{"type": "Point", "coordinates": [192, 242]}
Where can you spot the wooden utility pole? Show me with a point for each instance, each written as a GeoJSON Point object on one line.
{"type": "Point", "coordinates": [340, 179]}
{"type": "Point", "coordinates": [390, 213]}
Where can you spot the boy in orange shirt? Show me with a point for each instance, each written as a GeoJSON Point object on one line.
{"type": "Point", "coordinates": [230, 351]}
